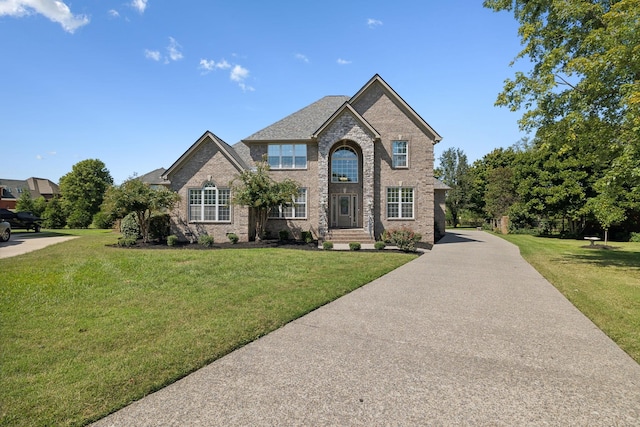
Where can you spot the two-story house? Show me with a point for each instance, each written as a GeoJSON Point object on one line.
{"type": "Point", "coordinates": [364, 164]}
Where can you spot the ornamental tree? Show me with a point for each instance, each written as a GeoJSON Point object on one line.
{"type": "Point", "coordinates": [134, 196]}
{"type": "Point", "coordinates": [256, 190]}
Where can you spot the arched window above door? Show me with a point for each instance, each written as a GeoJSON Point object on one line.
{"type": "Point", "coordinates": [344, 165]}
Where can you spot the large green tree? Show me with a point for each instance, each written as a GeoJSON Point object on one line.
{"type": "Point", "coordinates": [261, 193]}
{"type": "Point", "coordinates": [454, 171]}
{"type": "Point", "coordinates": [83, 190]}
{"type": "Point", "coordinates": [137, 197]}
{"type": "Point", "coordinates": [584, 85]}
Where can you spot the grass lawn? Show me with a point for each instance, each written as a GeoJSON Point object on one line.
{"type": "Point", "coordinates": [604, 284]}
{"type": "Point", "coordinates": [87, 328]}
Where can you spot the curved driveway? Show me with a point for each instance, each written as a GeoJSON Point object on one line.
{"type": "Point", "coordinates": [21, 243]}
{"type": "Point", "coordinates": [467, 334]}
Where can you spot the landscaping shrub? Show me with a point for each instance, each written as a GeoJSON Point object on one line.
{"type": "Point", "coordinates": [379, 245]}
{"type": "Point", "coordinates": [327, 246]}
{"type": "Point", "coordinates": [103, 220]}
{"type": "Point", "coordinates": [129, 227]}
{"type": "Point", "coordinates": [404, 238]}
{"type": "Point", "coordinates": [283, 234]}
{"type": "Point", "coordinates": [307, 236]}
{"type": "Point", "coordinates": [205, 240]}
{"type": "Point", "coordinates": [159, 226]}
{"type": "Point", "coordinates": [126, 242]}
{"type": "Point", "coordinates": [172, 240]}
{"type": "Point", "coordinates": [233, 238]}
{"type": "Point", "coordinates": [354, 246]}
{"type": "Point", "coordinates": [635, 237]}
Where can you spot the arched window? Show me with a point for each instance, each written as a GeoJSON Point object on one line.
{"type": "Point", "coordinates": [344, 165]}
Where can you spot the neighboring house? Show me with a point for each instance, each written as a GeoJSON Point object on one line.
{"type": "Point", "coordinates": [12, 189]}
{"type": "Point", "coordinates": [154, 178]}
{"type": "Point", "coordinates": [364, 163]}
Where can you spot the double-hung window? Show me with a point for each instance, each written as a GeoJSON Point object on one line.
{"type": "Point", "coordinates": [209, 204]}
{"type": "Point", "coordinates": [400, 154]}
{"type": "Point", "coordinates": [400, 203]}
{"type": "Point", "coordinates": [287, 156]}
{"type": "Point", "coordinates": [297, 209]}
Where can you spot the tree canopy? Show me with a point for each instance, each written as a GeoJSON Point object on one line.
{"type": "Point", "coordinates": [582, 98]}
{"type": "Point", "coordinates": [453, 171]}
{"type": "Point", "coordinates": [83, 190]}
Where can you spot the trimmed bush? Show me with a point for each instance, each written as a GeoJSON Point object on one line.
{"type": "Point", "coordinates": [129, 227]}
{"type": "Point", "coordinates": [307, 236]}
{"type": "Point", "coordinates": [635, 237]}
{"type": "Point", "coordinates": [126, 242]}
{"type": "Point", "coordinates": [233, 238]}
{"type": "Point", "coordinates": [172, 240]}
{"type": "Point", "coordinates": [205, 240]}
{"type": "Point", "coordinates": [327, 246]}
{"type": "Point", "coordinates": [354, 246]}
{"type": "Point", "coordinates": [379, 245]}
{"type": "Point", "coordinates": [404, 238]}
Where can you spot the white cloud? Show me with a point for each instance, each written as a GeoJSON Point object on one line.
{"type": "Point", "coordinates": [343, 61]}
{"type": "Point", "coordinates": [239, 74]}
{"type": "Point", "coordinates": [209, 65]}
{"type": "Point", "coordinates": [54, 10]}
{"type": "Point", "coordinates": [39, 157]}
{"type": "Point", "coordinates": [173, 50]}
{"type": "Point", "coordinates": [114, 13]}
{"type": "Point", "coordinates": [139, 5]}
{"type": "Point", "coordinates": [302, 58]}
{"type": "Point", "coordinates": [372, 23]}
{"type": "Point", "coordinates": [152, 54]}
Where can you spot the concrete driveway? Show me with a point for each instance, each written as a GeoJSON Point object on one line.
{"type": "Point", "coordinates": [21, 243]}
{"type": "Point", "coordinates": [467, 334]}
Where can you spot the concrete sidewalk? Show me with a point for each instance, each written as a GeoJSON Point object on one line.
{"type": "Point", "coordinates": [467, 334]}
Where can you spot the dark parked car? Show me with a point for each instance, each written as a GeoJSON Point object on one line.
{"type": "Point", "coordinates": [5, 231]}
{"type": "Point", "coordinates": [25, 219]}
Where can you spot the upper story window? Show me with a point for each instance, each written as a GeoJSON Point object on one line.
{"type": "Point", "coordinates": [400, 154]}
{"type": "Point", "coordinates": [209, 204]}
{"type": "Point", "coordinates": [287, 156]}
{"type": "Point", "coordinates": [344, 165]}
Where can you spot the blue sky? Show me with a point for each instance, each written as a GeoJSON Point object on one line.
{"type": "Point", "coordinates": [135, 83]}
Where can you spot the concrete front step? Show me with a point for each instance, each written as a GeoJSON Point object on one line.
{"type": "Point", "coordinates": [348, 236]}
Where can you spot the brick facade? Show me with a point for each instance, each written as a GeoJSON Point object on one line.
{"type": "Point", "coordinates": [368, 124]}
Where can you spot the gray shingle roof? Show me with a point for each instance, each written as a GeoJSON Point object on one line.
{"type": "Point", "coordinates": [301, 124]}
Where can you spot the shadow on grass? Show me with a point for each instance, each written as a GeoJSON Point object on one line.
{"type": "Point", "coordinates": [608, 258]}
{"type": "Point", "coordinates": [33, 235]}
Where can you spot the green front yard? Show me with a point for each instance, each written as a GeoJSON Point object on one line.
{"type": "Point", "coordinates": [604, 284]}
{"type": "Point", "coordinates": [87, 328]}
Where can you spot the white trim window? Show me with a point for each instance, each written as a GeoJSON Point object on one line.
{"type": "Point", "coordinates": [400, 203]}
{"type": "Point", "coordinates": [296, 210]}
{"type": "Point", "coordinates": [209, 204]}
{"type": "Point", "coordinates": [287, 156]}
{"type": "Point", "coordinates": [400, 154]}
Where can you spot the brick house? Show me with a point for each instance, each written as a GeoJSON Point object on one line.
{"type": "Point", "coordinates": [12, 189]}
{"type": "Point", "coordinates": [364, 164]}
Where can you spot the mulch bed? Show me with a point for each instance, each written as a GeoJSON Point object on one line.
{"type": "Point", "coordinates": [286, 244]}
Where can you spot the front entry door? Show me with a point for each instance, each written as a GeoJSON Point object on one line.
{"type": "Point", "coordinates": [345, 210]}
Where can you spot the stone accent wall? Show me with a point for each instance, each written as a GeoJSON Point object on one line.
{"type": "Point", "coordinates": [345, 127]}
{"type": "Point", "coordinates": [206, 164]}
{"type": "Point", "coordinates": [386, 116]}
